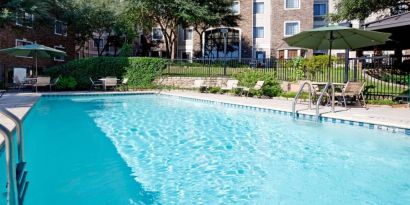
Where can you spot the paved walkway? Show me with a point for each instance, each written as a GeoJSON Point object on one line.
{"type": "Point", "coordinates": [384, 115]}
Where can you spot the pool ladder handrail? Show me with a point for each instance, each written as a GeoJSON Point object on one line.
{"type": "Point", "coordinates": [302, 86]}
{"type": "Point", "coordinates": [332, 100]}
{"type": "Point", "coordinates": [16, 175]}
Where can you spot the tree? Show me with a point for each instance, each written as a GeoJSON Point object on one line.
{"type": "Point", "coordinates": [212, 13]}
{"type": "Point", "coordinates": [169, 15]}
{"type": "Point", "coordinates": [98, 20]}
{"type": "Point", "coordinates": [8, 8]}
{"type": "Point", "coordinates": [361, 9]}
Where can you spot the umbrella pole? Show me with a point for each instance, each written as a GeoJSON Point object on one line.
{"type": "Point", "coordinates": [330, 56]}
{"type": "Point", "coordinates": [36, 64]}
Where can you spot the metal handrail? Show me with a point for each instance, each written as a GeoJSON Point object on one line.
{"type": "Point", "coordinates": [12, 194]}
{"type": "Point", "coordinates": [325, 89]}
{"type": "Point", "coordinates": [298, 95]}
{"type": "Point", "coordinates": [19, 131]}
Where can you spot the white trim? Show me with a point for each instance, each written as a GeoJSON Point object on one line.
{"type": "Point", "coordinates": [284, 27]}
{"type": "Point", "coordinates": [285, 8]}
{"type": "Point", "coordinates": [60, 47]}
{"type": "Point", "coordinates": [152, 34]}
{"type": "Point", "coordinates": [25, 41]}
{"type": "Point", "coordinates": [239, 9]}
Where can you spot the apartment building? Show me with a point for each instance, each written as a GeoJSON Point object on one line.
{"type": "Point", "coordinates": [95, 47]}
{"type": "Point", "coordinates": [26, 30]}
{"type": "Point", "coordinates": [263, 25]}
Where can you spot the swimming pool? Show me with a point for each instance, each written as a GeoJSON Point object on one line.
{"type": "Point", "coordinates": [149, 149]}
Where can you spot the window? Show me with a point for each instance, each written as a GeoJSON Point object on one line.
{"type": "Point", "coordinates": [259, 7]}
{"type": "Point", "coordinates": [214, 44]}
{"type": "Point", "coordinates": [98, 43]}
{"type": "Point", "coordinates": [236, 8]}
{"type": "Point", "coordinates": [319, 10]}
{"type": "Point", "coordinates": [258, 32]}
{"type": "Point", "coordinates": [292, 4]}
{"type": "Point", "coordinates": [188, 34]}
{"type": "Point", "coordinates": [157, 34]}
{"type": "Point", "coordinates": [62, 58]}
{"type": "Point", "coordinates": [24, 19]}
{"type": "Point", "coordinates": [291, 28]}
{"type": "Point", "coordinates": [23, 42]}
{"type": "Point", "coordinates": [60, 28]}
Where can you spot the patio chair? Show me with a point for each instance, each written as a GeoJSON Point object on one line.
{"type": "Point", "coordinates": [200, 84]}
{"type": "Point", "coordinates": [258, 86]}
{"type": "Point", "coordinates": [352, 90]}
{"type": "Point", "coordinates": [124, 83]}
{"type": "Point", "coordinates": [95, 84]}
{"type": "Point", "coordinates": [109, 82]}
{"type": "Point", "coordinates": [54, 83]}
{"type": "Point", "coordinates": [2, 93]}
{"type": "Point", "coordinates": [42, 82]}
{"type": "Point", "coordinates": [230, 85]}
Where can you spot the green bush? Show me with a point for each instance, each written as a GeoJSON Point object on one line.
{"type": "Point", "coordinates": [66, 83]}
{"type": "Point", "coordinates": [214, 90]}
{"type": "Point", "coordinates": [141, 72]}
{"type": "Point", "coordinates": [271, 86]}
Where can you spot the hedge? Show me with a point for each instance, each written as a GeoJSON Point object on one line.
{"type": "Point", "coordinates": [140, 71]}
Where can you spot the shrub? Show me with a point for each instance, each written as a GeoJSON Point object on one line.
{"type": "Point", "coordinates": [66, 83]}
{"type": "Point", "coordinates": [271, 86]}
{"type": "Point", "coordinates": [141, 72]}
{"type": "Point", "coordinates": [214, 90]}
{"type": "Point", "coordinates": [237, 91]}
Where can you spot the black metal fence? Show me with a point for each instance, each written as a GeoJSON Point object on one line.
{"type": "Point", "coordinates": [385, 77]}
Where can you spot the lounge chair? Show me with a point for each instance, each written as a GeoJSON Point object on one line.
{"type": "Point", "coordinates": [2, 93]}
{"type": "Point", "coordinates": [258, 86]}
{"type": "Point", "coordinates": [230, 85]}
{"type": "Point", "coordinates": [124, 83]}
{"type": "Point", "coordinates": [42, 82]}
{"type": "Point", "coordinates": [200, 84]}
{"type": "Point", "coordinates": [109, 82]}
{"type": "Point", "coordinates": [54, 83]}
{"type": "Point", "coordinates": [352, 90]}
{"type": "Point", "coordinates": [95, 84]}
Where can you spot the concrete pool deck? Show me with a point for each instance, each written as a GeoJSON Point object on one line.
{"type": "Point", "coordinates": [21, 103]}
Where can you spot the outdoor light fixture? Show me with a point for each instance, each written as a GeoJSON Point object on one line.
{"type": "Point", "coordinates": [224, 32]}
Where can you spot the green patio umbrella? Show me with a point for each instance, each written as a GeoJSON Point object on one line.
{"type": "Point", "coordinates": [34, 50]}
{"type": "Point", "coordinates": [336, 37]}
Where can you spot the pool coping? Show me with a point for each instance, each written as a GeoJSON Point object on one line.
{"type": "Point", "coordinates": [300, 115]}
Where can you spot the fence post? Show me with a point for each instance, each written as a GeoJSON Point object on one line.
{"type": "Point", "coordinates": [355, 69]}
{"type": "Point", "coordinates": [346, 76]}
{"type": "Point", "coordinates": [408, 88]}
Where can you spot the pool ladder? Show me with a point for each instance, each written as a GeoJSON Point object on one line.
{"type": "Point", "coordinates": [17, 183]}
{"type": "Point", "coordinates": [322, 94]}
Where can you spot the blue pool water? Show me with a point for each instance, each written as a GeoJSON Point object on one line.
{"type": "Point", "coordinates": [164, 150]}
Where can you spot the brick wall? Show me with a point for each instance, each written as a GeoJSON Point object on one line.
{"type": "Point", "coordinates": [42, 35]}
{"type": "Point", "coordinates": [279, 15]}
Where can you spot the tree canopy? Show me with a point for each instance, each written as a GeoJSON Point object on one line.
{"type": "Point", "coordinates": [361, 9]}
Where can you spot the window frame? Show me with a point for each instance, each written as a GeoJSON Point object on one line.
{"type": "Point", "coordinates": [100, 41]}
{"type": "Point", "coordinates": [63, 31]}
{"type": "Point", "coordinates": [239, 7]}
{"type": "Point", "coordinates": [286, 8]}
{"type": "Point", "coordinates": [25, 41]}
{"type": "Point", "coordinates": [320, 4]}
{"type": "Point", "coordinates": [152, 34]}
{"type": "Point", "coordinates": [61, 48]}
{"type": "Point", "coordinates": [284, 27]}
{"type": "Point", "coordinates": [185, 32]}
{"type": "Point", "coordinates": [24, 17]}
{"type": "Point", "coordinates": [254, 7]}
{"type": "Point", "coordinates": [254, 31]}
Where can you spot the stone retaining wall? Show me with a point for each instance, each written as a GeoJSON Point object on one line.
{"type": "Point", "coordinates": [188, 82]}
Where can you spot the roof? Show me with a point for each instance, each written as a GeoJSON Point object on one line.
{"type": "Point", "coordinates": [398, 20]}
